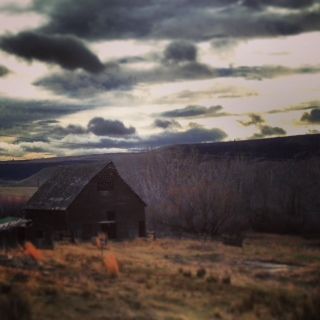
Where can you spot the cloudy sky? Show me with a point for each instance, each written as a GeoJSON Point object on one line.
{"type": "Point", "coordinates": [95, 76]}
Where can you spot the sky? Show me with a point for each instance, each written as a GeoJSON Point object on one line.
{"type": "Point", "coordinates": [97, 76]}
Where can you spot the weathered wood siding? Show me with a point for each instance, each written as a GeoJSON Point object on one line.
{"type": "Point", "coordinates": [46, 225]}
{"type": "Point", "coordinates": [93, 205]}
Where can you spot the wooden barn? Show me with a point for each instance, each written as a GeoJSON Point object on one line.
{"type": "Point", "coordinates": [81, 200]}
{"type": "Point", "coordinates": [12, 231]}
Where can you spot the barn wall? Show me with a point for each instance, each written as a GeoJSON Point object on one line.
{"type": "Point", "coordinates": [46, 225]}
{"type": "Point", "coordinates": [92, 206]}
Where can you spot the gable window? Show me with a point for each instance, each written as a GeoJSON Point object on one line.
{"type": "Point", "coordinates": [106, 182]}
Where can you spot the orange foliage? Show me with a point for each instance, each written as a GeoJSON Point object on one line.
{"type": "Point", "coordinates": [112, 265]}
{"type": "Point", "coordinates": [33, 252]}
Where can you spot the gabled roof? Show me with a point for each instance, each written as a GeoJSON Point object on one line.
{"type": "Point", "coordinates": [64, 186]}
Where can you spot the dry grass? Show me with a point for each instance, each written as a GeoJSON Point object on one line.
{"type": "Point", "coordinates": [171, 279]}
{"type": "Point", "coordinates": [17, 191]}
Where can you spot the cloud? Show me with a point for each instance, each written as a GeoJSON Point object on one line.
{"type": "Point", "coordinates": [194, 111]}
{"type": "Point", "coordinates": [183, 19]}
{"type": "Point", "coordinates": [166, 124]}
{"type": "Point", "coordinates": [270, 131]}
{"type": "Point", "coordinates": [224, 44]}
{"type": "Point", "coordinates": [83, 84]}
{"type": "Point", "coordinates": [66, 51]}
{"type": "Point", "coordinates": [103, 127]}
{"type": "Point", "coordinates": [303, 106]}
{"type": "Point", "coordinates": [69, 129]}
{"type": "Point", "coordinates": [18, 114]}
{"type": "Point", "coordinates": [117, 76]}
{"type": "Point", "coordinates": [192, 135]}
{"type": "Point", "coordinates": [180, 51]}
{"type": "Point", "coordinates": [262, 72]}
{"type": "Point", "coordinates": [255, 119]}
{"type": "Point", "coordinates": [264, 129]}
{"type": "Point", "coordinates": [267, 131]}
{"type": "Point", "coordinates": [312, 117]}
{"type": "Point", "coordinates": [259, 4]}
{"type": "Point", "coordinates": [3, 71]}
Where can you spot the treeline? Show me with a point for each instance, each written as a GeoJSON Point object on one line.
{"type": "Point", "coordinates": [189, 193]}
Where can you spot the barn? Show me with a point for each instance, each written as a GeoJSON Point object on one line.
{"type": "Point", "coordinates": [79, 201]}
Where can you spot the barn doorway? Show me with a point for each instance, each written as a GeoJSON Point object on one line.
{"type": "Point", "coordinates": [142, 229]}
{"type": "Point", "coordinates": [109, 228]}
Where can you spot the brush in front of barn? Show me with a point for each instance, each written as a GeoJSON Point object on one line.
{"type": "Point", "coordinates": [13, 232]}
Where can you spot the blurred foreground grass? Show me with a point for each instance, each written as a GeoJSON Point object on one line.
{"type": "Point", "coordinates": [271, 277]}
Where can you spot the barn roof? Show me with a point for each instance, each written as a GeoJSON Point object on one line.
{"type": "Point", "coordinates": [64, 186]}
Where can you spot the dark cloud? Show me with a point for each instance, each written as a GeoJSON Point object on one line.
{"type": "Point", "coordinates": [37, 136]}
{"type": "Point", "coordinates": [304, 106]}
{"type": "Point", "coordinates": [270, 131]}
{"type": "Point", "coordinates": [119, 77]}
{"type": "Point", "coordinates": [69, 129]}
{"type": "Point", "coordinates": [224, 44]}
{"type": "Point", "coordinates": [132, 59]}
{"type": "Point", "coordinates": [180, 19]}
{"type": "Point", "coordinates": [254, 119]}
{"type": "Point", "coordinates": [193, 135]}
{"type": "Point", "coordinates": [3, 71]}
{"type": "Point", "coordinates": [46, 122]}
{"type": "Point", "coordinates": [103, 127]}
{"type": "Point", "coordinates": [262, 72]}
{"type": "Point", "coordinates": [66, 51]}
{"type": "Point", "coordinates": [180, 51]}
{"type": "Point", "coordinates": [166, 124]}
{"type": "Point", "coordinates": [313, 131]}
{"type": "Point", "coordinates": [294, 4]}
{"type": "Point", "coordinates": [83, 84]}
{"type": "Point", "coordinates": [194, 111]}
{"type": "Point", "coordinates": [312, 117]}
{"type": "Point", "coordinates": [18, 114]}
{"type": "Point", "coordinates": [264, 129]}
{"type": "Point", "coordinates": [33, 147]}
{"type": "Point", "coordinates": [267, 131]}
{"type": "Point", "coordinates": [99, 19]}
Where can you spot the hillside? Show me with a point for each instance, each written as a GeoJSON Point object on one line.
{"type": "Point", "coordinates": [280, 148]}
{"type": "Point", "coordinates": [294, 147]}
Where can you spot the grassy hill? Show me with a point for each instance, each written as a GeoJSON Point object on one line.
{"type": "Point", "coordinates": [294, 147]}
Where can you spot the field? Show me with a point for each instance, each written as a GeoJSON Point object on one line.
{"type": "Point", "coordinates": [17, 192]}
{"type": "Point", "coordinates": [270, 277]}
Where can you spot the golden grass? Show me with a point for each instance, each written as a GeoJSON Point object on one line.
{"type": "Point", "coordinates": [17, 191]}
{"type": "Point", "coordinates": [172, 279]}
